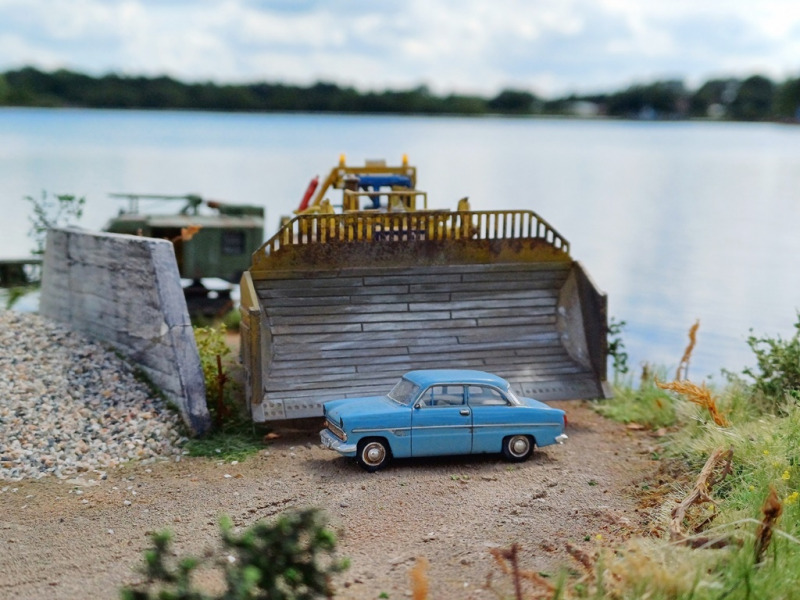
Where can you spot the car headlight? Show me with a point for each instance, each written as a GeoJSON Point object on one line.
{"type": "Point", "coordinates": [337, 431]}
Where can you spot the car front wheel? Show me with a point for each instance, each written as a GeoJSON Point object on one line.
{"type": "Point", "coordinates": [517, 448]}
{"type": "Point", "coordinates": [373, 454]}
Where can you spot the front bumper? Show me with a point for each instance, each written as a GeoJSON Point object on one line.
{"type": "Point", "coordinates": [331, 441]}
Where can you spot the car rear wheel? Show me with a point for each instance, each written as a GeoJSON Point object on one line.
{"type": "Point", "coordinates": [373, 454]}
{"type": "Point", "coordinates": [517, 448]}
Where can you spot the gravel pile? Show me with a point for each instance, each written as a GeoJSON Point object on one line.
{"type": "Point", "coordinates": [68, 405]}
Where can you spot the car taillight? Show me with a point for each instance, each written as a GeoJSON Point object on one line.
{"type": "Point", "coordinates": [565, 421]}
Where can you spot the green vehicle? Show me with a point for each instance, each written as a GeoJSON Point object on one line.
{"type": "Point", "coordinates": [212, 240]}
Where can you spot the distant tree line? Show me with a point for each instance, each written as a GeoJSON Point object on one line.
{"type": "Point", "coordinates": [755, 98]}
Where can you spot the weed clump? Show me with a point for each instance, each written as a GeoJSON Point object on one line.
{"type": "Point", "coordinates": [289, 559]}
{"type": "Point", "coordinates": [234, 436]}
{"type": "Point", "coordinates": [776, 375]}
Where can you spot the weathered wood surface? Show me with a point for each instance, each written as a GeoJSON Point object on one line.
{"type": "Point", "coordinates": [353, 332]}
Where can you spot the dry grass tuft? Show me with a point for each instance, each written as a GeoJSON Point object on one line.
{"type": "Point", "coordinates": [771, 509]}
{"type": "Point", "coordinates": [717, 467]}
{"type": "Point", "coordinates": [508, 563]}
{"type": "Point", "coordinates": [683, 365]}
{"type": "Point", "coordinates": [586, 561]}
{"type": "Point", "coordinates": [643, 569]}
{"type": "Point", "coordinates": [698, 394]}
{"type": "Point", "coordinates": [419, 579]}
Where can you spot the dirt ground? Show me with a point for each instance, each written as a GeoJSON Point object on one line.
{"type": "Point", "coordinates": [84, 538]}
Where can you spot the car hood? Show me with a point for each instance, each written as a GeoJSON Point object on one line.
{"type": "Point", "coordinates": [346, 408]}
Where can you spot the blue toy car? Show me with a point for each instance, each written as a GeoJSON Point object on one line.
{"type": "Point", "coordinates": [440, 412]}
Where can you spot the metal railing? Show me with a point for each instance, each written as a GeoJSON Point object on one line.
{"type": "Point", "coordinates": [440, 226]}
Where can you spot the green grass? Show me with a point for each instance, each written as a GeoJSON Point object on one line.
{"type": "Point", "coordinates": [765, 438]}
{"type": "Point", "coordinates": [645, 405]}
{"type": "Point", "coordinates": [234, 441]}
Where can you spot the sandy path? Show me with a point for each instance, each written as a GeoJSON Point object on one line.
{"type": "Point", "coordinates": [66, 540]}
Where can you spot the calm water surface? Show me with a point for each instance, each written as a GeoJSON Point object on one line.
{"type": "Point", "coordinates": [675, 221]}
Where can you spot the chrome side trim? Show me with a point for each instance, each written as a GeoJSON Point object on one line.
{"type": "Point", "coordinates": [516, 425]}
{"type": "Point", "coordinates": [381, 429]}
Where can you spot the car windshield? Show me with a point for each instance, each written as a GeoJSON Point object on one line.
{"type": "Point", "coordinates": [404, 392]}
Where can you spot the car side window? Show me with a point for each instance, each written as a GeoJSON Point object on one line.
{"type": "Point", "coordinates": [442, 395]}
{"type": "Point", "coordinates": [486, 396]}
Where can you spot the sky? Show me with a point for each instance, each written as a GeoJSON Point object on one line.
{"type": "Point", "coordinates": [549, 47]}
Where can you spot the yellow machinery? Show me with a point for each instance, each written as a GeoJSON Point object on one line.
{"type": "Point", "coordinates": [342, 303]}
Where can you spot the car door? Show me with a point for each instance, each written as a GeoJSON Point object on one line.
{"type": "Point", "coordinates": [441, 422]}
{"type": "Point", "coordinates": [492, 418]}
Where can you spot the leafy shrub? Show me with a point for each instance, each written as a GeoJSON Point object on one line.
{"type": "Point", "coordinates": [777, 371]}
{"type": "Point", "coordinates": [52, 211]}
{"type": "Point", "coordinates": [232, 319]}
{"type": "Point", "coordinates": [616, 347]}
{"type": "Point", "coordinates": [289, 559]}
{"type": "Point", "coordinates": [234, 436]}
{"type": "Point", "coordinates": [210, 344]}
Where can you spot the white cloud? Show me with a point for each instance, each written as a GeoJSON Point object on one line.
{"type": "Point", "coordinates": [551, 46]}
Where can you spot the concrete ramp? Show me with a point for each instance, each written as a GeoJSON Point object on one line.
{"type": "Point", "coordinates": [368, 313]}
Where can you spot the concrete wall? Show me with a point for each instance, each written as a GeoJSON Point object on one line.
{"type": "Point", "coordinates": [126, 290]}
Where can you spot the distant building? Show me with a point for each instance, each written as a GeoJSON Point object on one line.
{"type": "Point", "coordinates": [716, 111]}
{"type": "Point", "coordinates": [584, 108]}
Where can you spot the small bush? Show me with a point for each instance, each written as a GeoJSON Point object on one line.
{"type": "Point", "coordinates": [616, 347]}
{"type": "Point", "coordinates": [289, 559]}
{"type": "Point", "coordinates": [232, 319]}
{"type": "Point", "coordinates": [776, 375]}
{"type": "Point", "coordinates": [214, 350]}
{"type": "Point", "coordinates": [52, 211]}
{"type": "Point", "coordinates": [234, 436]}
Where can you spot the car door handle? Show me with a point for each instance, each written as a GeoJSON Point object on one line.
{"type": "Point", "coordinates": [464, 412]}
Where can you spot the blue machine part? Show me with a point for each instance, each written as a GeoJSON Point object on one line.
{"type": "Point", "coordinates": [376, 182]}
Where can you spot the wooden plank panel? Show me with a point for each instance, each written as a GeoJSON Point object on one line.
{"type": "Point", "coordinates": [356, 331]}
{"type": "Point", "coordinates": [548, 301]}
{"type": "Point", "coordinates": [390, 362]}
{"type": "Point", "coordinates": [415, 325]}
{"type": "Point", "coordinates": [400, 318]}
{"type": "Point", "coordinates": [423, 276]}
{"type": "Point", "coordinates": [496, 276]}
{"type": "Point", "coordinates": [340, 290]}
{"type": "Point", "coordinates": [509, 286]}
{"type": "Point", "coordinates": [289, 350]}
{"type": "Point", "coordinates": [550, 354]}
{"type": "Point", "coordinates": [536, 314]}
{"type": "Point", "coordinates": [269, 303]}
{"type": "Point", "coordinates": [311, 281]}
{"type": "Point", "coordinates": [382, 303]}
{"type": "Point", "coordinates": [330, 382]}
{"type": "Point", "coordinates": [520, 321]}
{"type": "Point", "coordinates": [512, 333]}
{"type": "Point", "coordinates": [317, 328]}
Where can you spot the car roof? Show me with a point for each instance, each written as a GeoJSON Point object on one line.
{"type": "Point", "coordinates": [427, 377]}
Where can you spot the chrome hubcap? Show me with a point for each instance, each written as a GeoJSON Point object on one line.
{"type": "Point", "coordinates": [519, 446]}
{"type": "Point", "coordinates": [374, 454]}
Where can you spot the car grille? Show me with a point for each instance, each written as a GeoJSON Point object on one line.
{"type": "Point", "coordinates": [336, 430]}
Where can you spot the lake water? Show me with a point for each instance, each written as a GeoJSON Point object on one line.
{"type": "Point", "coordinates": [675, 221]}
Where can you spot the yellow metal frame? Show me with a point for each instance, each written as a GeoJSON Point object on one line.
{"type": "Point", "coordinates": [482, 229]}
